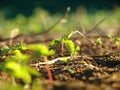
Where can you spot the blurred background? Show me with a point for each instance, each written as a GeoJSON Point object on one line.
{"type": "Point", "coordinates": [35, 16]}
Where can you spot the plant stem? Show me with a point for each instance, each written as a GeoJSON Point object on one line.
{"type": "Point", "coordinates": [13, 81]}
{"type": "Point", "coordinates": [65, 14]}
{"type": "Point", "coordinates": [48, 70]}
{"type": "Point", "coordinates": [62, 48]}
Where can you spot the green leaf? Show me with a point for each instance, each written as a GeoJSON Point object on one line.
{"type": "Point", "coordinates": [66, 36]}
{"type": "Point", "coordinates": [77, 48]}
{"type": "Point", "coordinates": [32, 71]}
{"type": "Point", "coordinates": [70, 70]}
{"type": "Point", "coordinates": [64, 59]}
{"type": "Point", "coordinates": [5, 50]}
{"type": "Point", "coordinates": [117, 41]}
{"type": "Point", "coordinates": [18, 71]}
{"type": "Point", "coordinates": [40, 50]}
{"type": "Point", "coordinates": [53, 43]}
{"type": "Point", "coordinates": [20, 45]}
{"type": "Point", "coordinates": [70, 46]}
{"type": "Point", "coordinates": [18, 56]}
{"type": "Point", "coordinates": [98, 42]}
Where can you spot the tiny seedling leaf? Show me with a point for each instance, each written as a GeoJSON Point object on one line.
{"type": "Point", "coordinates": [40, 50]}
{"type": "Point", "coordinates": [5, 50]}
{"type": "Point", "coordinates": [64, 59]}
{"type": "Point", "coordinates": [18, 56]}
{"type": "Point", "coordinates": [77, 48]}
{"type": "Point", "coordinates": [70, 46]}
{"type": "Point", "coordinates": [98, 42]}
{"type": "Point", "coordinates": [53, 43]}
{"type": "Point", "coordinates": [66, 36]}
{"type": "Point", "coordinates": [18, 71]}
{"type": "Point", "coordinates": [20, 45]}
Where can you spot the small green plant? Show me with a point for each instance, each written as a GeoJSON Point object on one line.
{"type": "Point", "coordinates": [115, 39]}
{"type": "Point", "coordinates": [19, 46]}
{"type": "Point", "coordinates": [71, 47]}
{"type": "Point", "coordinates": [70, 70]}
{"type": "Point", "coordinates": [54, 43]}
{"type": "Point", "coordinates": [98, 42]}
{"type": "Point", "coordinates": [16, 63]}
{"type": "Point", "coordinates": [42, 51]}
{"type": "Point", "coordinates": [9, 50]}
{"type": "Point", "coordinates": [68, 43]}
{"type": "Point", "coordinates": [5, 50]}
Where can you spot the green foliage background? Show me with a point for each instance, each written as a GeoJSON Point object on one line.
{"type": "Point", "coordinates": [35, 16]}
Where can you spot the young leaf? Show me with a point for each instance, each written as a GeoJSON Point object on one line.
{"type": "Point", "coordinates": [98, 42]}
{"type": "Point", "coordinates": [18, 56]}
{"type": "Point", "coordinates": [40, 50]}
{"type": "Point", "coordinates": [117, 40]}
{"type": "Point", "coordinates": [66, 36]}
{"type": "Point", "coordinates": [5, 50]}
{"type": "Point", "coordinates": [70, 46]}
{"type": "Point", "coordinates": [18, 71]}
{"type": "Point", "coordinates": [53, 43]}
{"type": "Point", "coordinates": [23, 72]}
{"type": "Point", "coordinates": [20, 46]}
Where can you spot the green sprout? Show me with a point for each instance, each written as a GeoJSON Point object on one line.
{"type": "Point", "coordinates": [54, 43]}
{"type": "Point", "coordinates": [64, 59]}
{"type": "Point", "coordinates": [70, 70]}
{"type": "Point", "coordinates": [16, 63]}
{"type": "Point", "coordinates": [40, 50]}
{"type": "Point", "coordinates": [116, 39]}
{"type": "Point", "coordinates": [65, 41]}
{"type": "Point", "coordinates": [65, 37]}
{"type": "Point", "coordinates": [20, 46]}
{"type": "Point", "coordinates": [5, 50]}
{"type": "Point", "coordinates": [98, 42]}
{"type": "Point", "coordinates": [71, 47]}
{"type": "Point", "coordinates": [43, 51]}
{"type": "Point", "coordinates": [20, 71]}
{"type": "Point", "coordinates": [17, 46]}
{"type": "Point", "coordinates": [19, 57]}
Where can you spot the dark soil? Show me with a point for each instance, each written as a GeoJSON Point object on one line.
{"type": "Point", "coordinates": [97, 68]}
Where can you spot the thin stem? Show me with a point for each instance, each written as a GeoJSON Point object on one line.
{"type": "Point", "coordinates": [62, 48]}
{"type": "Point", "coordinates": [50, 28]}
{"type": "Point", "coordinates": [13, 81]}
{"type": "Point", "coordinates": [48, 70]}
{"type": "Point", "coordinates": [95, 26]}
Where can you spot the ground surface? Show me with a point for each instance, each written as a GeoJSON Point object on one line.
{"type": "Point", "coordinates": [95, 68]}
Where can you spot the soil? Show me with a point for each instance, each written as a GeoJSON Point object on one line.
{"type": "Point", "coordinates": [94, 68]}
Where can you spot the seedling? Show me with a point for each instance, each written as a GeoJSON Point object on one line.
{"type": "Point", "coordinates": [19, 46]}
{"type": "Point", "coordinates": [17, 70]}
{"type": "Point", "coordinates": [16, 63]}
{"type": "Point", "coordinates": [71, 47]}
{"type": "Point", "coordinates": [116, 39]}
{"type": "Point", "coordinates": [70, 70]}
{"type": "Point", "coordinates": [43, 51]}
{"type": "Point", "coordinates": [98, 42]}
{"type": "Point", "coordinates": [65, 41]}
{"type": "Point", "coordinates": [5, 50]}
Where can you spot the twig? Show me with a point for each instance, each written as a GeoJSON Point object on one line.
{"type": "Point", "coordinates": [84, 36]}
{"type": "Point", "coordinates": [58, 59]}
{"type": "Point", "coordinates": [94, 27]}
{"type": "Point", "coordinates": [50, 28]}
